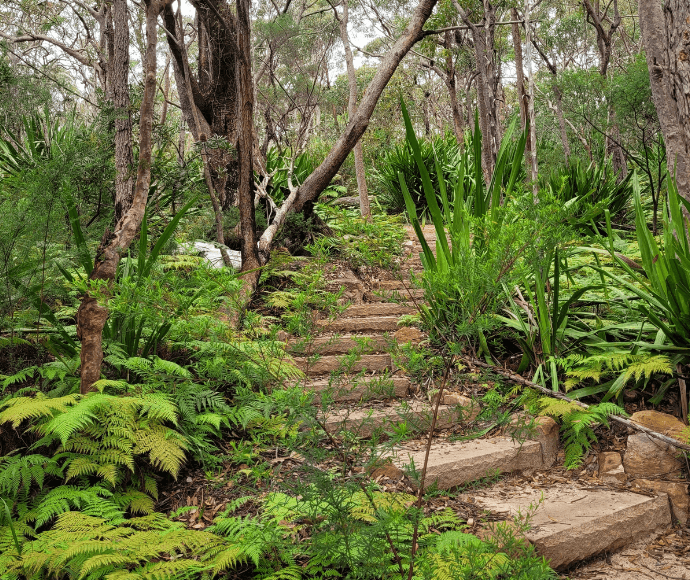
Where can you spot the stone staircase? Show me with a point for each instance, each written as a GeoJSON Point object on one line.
{"type": "Point", "coordinates": [570, 523]}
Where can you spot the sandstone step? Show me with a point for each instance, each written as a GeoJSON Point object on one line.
{"type": "Point", "coordinates": [571, 523]}
{"type": "Point", "coordinates": [364, 324]}
{"type": "Point", "coordinates": [361, 388]}
{"type": "Point", "coordinates": [455, 463]}
{"type": "Point", "coordinates": [364, 422]}
{"type": "Point", "coordinates": [328, 364]}
{"type": "Point", "coordinates": [384, 295]}
{"type": "Point", "coordinates": [341, 344]}
{"type": "Point", "coordinates": [378, 309]}
{"type": "Point", "coordinates": [390, 285]}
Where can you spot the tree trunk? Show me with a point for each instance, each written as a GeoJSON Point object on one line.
{"type": "Point", "coordinates": [449, 78]}
{"type": "Point", "coordinates": [351, 108]}
{"type": "Point", "coordinates": [166, 90]}
{"type": "Point", "coordinates": [455, 109]}
{"type": "Point", "coordinates": [561, 120]}
{"type": "Point", "coordinates": [119, 69]}
{"type": "Point", "coordinates": [212, 93]}
{"type": "Point", "coordinates": [91, 317]}
{"type": "Point", "coordinates": [319, 179]}
{"type": "Point", "coordinates": [530, 106]}
{"type": "Point", "coordinates": [245, 94]}
{"type": "Point", "coordinates": [519, 67]}
{"type": "Point", "coordinates": [666, 37]}
{"type": "Point", "coordinates": [487, 83]}
{"type": "Point", "coordinates": [523, 97]}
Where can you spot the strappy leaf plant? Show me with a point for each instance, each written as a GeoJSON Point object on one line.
{"type": "Point", "coordinates": [662, 287]}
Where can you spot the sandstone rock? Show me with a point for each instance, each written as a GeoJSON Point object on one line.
{"type": "Point", "coordinates": [378, 309]}
{"type": "Point", "coordinates": [548, 431]}
{"type": "Point", "coordinates": [609, 461]}
{"type": "Point", "coordinates": [360, 388]}
{"type": "Point", "coordinates": [409, 335]}
{"type": "Point", "coordinates": [662, 423]}
{"type": "Point", "coordinates": [614, 476]}
{"type": "Point", "coordinates": [569, 524]}
{"type": "Point", "coordinates": [353, 287]}
{"type": "Point", "coordinates": [363, 422]}
{"type": "Point", "coordinates": [456, 399]}
{"type": "Point", "coordinates": [384, 295]}
{"type": "Point", "coordinates": [387, 470]}
{"type": "Point", "coordinates": [646, 456]}
{"type": "Point", "coordinates": [452, 464]}
{"type": "Point", "coordinates": [364, 324]}
{"type": "Point", "coordinates": [329, 364]}
{"type": "Point", "coordinates": [408, 247]}
{"type": "Point", "coordinates": [342, 344]}
{"type": "Point", "coordinates": [611, 467]}
{"type": "Point", "coordinates": [677, 492]}
{"type": "Point", "coordinates": [470, 409]}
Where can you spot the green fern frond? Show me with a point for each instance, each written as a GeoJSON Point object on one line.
{"type": "Point", "coordinates": [165, 447]}
{"type": "Point", "coordinates": [556, 407]}
{"type": "Point", "coordinates": [18, 409]}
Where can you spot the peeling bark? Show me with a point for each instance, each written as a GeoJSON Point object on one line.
{"type": "Point", "coordinates": [119, 81]}
{"type": "Point", "coordinates": [666, 37]}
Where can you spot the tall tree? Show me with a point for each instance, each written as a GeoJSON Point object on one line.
{"type": "Point", "coordinates": [343, 20]}
{"type": "Point", "coordinates": [599, 19]}
{"type": "Point", "coordinates": [209, 97]}
{"type": "Point", "coordinates": [245, 92]}
{"type": "Point", "coordinates": [92, 316]}
{"type": "Point", "coordinates": [487, 80]}
{"type": "Point", "coordinates": [119, 81]}
{"type": "Point", "coordinates": [666, 38]}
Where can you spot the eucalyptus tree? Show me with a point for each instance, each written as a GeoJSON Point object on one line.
{"type": "Point", "coordinates": [92, 316]}
{"type": "Point", "coordinates": [666, 37]}
{"type": "Point", "coordinates": [309, 191]}
{"type": "Point", "coordinates": [343, 18]}
{"type": "Point", "coordinates": [82, 38]}
{"type": "Point", "coordinates": [293, 43]}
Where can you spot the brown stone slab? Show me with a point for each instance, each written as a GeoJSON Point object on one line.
{"type": "Point", "coordinates": [378, 309]}
{"type": "Point", "coordinates": [364, 422]}
{"type": "Point", "coordinates": [328, 364]}
{"type": "Point", "coordinates": [368, 324]}
{"type": "Point", "coordinates": [362, 388]}
{"type": "Point", "coordinates": [456, 463]}
{"type": "Point", "coordinates": [341, 344]}
{"type": "Point", "coordinates": [571, 524]}
{"type": "Point", "coordinates": [379, 295]}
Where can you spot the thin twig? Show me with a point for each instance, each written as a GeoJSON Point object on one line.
{"type": "Point", "coordinates": [349, 463]}
{"type": "Point", "coordinates": [422, 479]}
{"type": "Point", "coordinates": [520, 380]}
